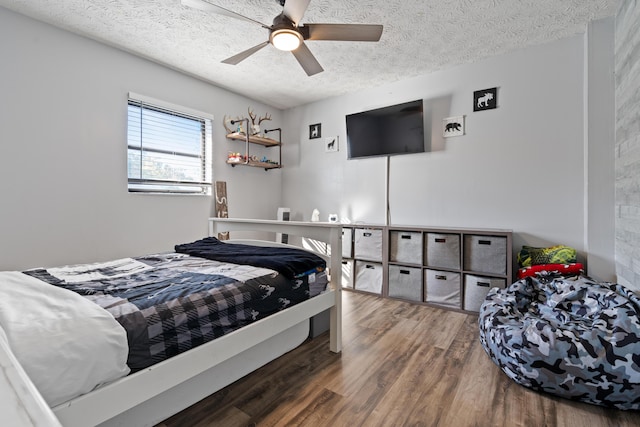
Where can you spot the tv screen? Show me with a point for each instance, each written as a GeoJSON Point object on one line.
{"type": "Point", "coordinates": [397, 129]}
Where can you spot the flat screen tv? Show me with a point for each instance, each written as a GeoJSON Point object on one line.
{"type": "Point", "coordinates": [397, 129]}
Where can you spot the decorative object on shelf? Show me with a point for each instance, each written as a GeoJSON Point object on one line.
{"type": "Point", "coordinates": [315, 215]}
{"type": "Point", "coordinates": [234, 157]}
{"type": "Point", "coordinates": [268, 161]}
{"type": "Point", "coordinates": [255, 127]}
{"type": "Point", "coordinates": [315, 131]}
{"type": "Point", "coordinates": [221, 206]}
{"type": "Point", "coordinates": [453, 126]}
{"type": "Point", "coordinates": [236, 124]}
{"type": "Point", "coordinates": [250, 160]}
{"type": "Point", "coordinates": [331, 144]}
{"type": "Point", "coordinates": [486, 99]}
{"type": "Point", "coordinates": [333, 217]}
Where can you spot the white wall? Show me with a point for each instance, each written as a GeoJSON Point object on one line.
{"type": "Point", "coordinates": [520, 166]}
{"type": "Point", "coordinates": [627, 146]}
{"type": "Point", "coordinates": [600, 149]}
{"type": "Point", "coordinates": [63, 185]}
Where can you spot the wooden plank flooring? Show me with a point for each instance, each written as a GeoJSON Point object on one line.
{"type": "Point", "coordinates": [402, 365]}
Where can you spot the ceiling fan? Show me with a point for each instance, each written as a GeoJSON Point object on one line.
{"type": "Point", "coordinates": [288, 34]}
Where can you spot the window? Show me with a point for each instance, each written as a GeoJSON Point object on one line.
{"type": "Point", "coordinates": [169, 148]}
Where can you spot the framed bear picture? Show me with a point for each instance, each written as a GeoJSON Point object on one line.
{"type": "Point", "coordinates": [453, 126]}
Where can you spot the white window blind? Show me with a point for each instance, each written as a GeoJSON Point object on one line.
{"type": "Point", "coordinates": [168, 148]}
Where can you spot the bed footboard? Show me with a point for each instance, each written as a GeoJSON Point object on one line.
{"type": "Point", "coordinates": [330, 233]}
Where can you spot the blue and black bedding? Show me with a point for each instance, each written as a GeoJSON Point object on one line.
{"type": "Point", "coordinates": [287, 261]}
{"type": "Point", "coordinates": [567, 335]}
{"type": "Point", "coordinates": [170, 303]}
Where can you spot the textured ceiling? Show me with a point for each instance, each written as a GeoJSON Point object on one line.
{"type": "Point", "coordinates": [420, 36]}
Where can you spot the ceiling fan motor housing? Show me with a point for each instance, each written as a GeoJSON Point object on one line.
{"type": "Point", "coordinates": [282, 22]}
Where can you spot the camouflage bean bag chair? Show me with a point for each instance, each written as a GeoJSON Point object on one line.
{"type": "Point", "coordinates": [569, 336]}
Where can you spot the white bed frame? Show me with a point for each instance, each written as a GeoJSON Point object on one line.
{"type": "Point", "coordinates": [153, 394]}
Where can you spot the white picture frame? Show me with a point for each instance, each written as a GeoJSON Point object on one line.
{"type": "Point", "coordinates": [453, 126]}
{"type": "Point", "coordinates": [331, 144]}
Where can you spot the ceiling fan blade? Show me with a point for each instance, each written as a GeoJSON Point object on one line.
{"type": "Point", "coordinates": [306, 59]}
{"type": "Point", "coordinates": [344, 32]}
{"type": "Point", "coordinates": [208, 7]}
{"type": "Point", "coordinates": [294, 9]}
{"type": "Point", "coordinates": [244, 55]}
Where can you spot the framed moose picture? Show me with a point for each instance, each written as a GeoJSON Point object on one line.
{"type": "Point", "coordinates": [486, 99]}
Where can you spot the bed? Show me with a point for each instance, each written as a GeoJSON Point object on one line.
{"type": "Point", "coordinates": [160, 390]}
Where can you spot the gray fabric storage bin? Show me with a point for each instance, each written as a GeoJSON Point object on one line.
{"type": "Point", "coordinates": [485, 254]}
{"type": "Point", "coordinates": [368, 277]}
{"type": "Point", "coordinates": [367, 244]}
{"type": "Point", "coordinates": [347, 240]}
{"type": "Point", "coordinates": [476, 289]}
{"type": "Point", "coordinates": [405, 282]}
{"type": "Point", "coordinates": [347, 274]}
{"type": "Point", "coordinates": [443, 250]}
{"type": "Point", "coordinates": [405, 246]}
{"type": "Point", "coordinates": [442, 287]}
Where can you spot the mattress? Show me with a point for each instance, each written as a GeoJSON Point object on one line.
{"type": "Point", "coordinates": [150, 308]}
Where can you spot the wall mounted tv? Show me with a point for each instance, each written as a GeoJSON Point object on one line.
{"type": "Point", "coordinates": [397, 129]}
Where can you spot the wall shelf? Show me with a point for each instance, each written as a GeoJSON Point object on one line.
{"type": "Point", "coordinates": [255, 139]}
{"type": "Point", "coordinates": [254, 164]}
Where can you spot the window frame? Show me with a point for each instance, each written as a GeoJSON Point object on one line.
{"type": "Point", "coordinates": [141, 185]}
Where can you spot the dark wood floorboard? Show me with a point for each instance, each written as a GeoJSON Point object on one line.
{"type": "Point", "coordinates": [401, 365]}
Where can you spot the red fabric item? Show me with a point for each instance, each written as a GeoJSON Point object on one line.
{"type": "Point", "coordinates": [573, 268]}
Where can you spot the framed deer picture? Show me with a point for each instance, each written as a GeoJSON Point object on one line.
{"type": "Point", "coordinates": [315, 131]}
{"type": "Point", "coordinates": [331, 144]}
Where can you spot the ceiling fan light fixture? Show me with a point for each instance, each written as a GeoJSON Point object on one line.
{"type": "Point", "coordinates": [286, 39]}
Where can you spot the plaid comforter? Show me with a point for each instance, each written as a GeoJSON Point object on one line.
{"type": "Point", "coordinates": [170, 303]}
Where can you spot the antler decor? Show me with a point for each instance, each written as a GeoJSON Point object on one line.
{"type": "Point", "coordinates": [262, 119]}
{"type": "Point", "coordinates": [252, 115]}
{"type": "Point", "coordinates": [224, 123]}
{"type": "Point", "coordinates": [255, 122]}
{"type": "Point", "coordinates": [255, 127]}
{"type": "Point", "coordinates": [227, 121]}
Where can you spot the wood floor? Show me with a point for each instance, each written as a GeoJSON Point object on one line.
{"type": "Point", "coordinates": [401, 365]}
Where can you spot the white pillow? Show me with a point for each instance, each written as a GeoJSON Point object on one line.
{"type": "Point", "coordinates": [67, 345]}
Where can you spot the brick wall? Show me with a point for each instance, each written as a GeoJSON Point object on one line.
{"type": "Point", "coordinates": [627, 69]}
